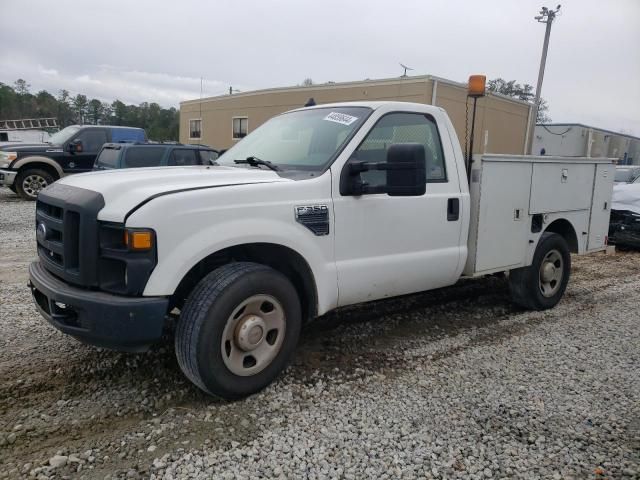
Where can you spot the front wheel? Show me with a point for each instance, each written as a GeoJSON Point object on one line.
{"type": "Point", "coordinates": [541, 285]}
{"type": "Point", "coordinates": [238, 329]}
{"type": "Point", "coordinates": [31, 181]}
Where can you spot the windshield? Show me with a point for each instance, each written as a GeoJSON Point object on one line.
{"type": "Point", "coordinates": [59, 138]}
{"type": "Point", "coordinates": [301, 140]}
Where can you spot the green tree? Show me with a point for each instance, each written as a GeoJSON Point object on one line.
{"type": "Point", "coordinates": [46, 104]}
{"type": "Point", "coordinates": [522, 92]}
{"type": "Point", "coordinates": [65, 113]}
{"type": "Point", "coordinates": [80, 107]}
{"type": "Point", "coordinates": [107, 112]}
{"type": "Point", "coordinates": [94, 108]}
{"type": "Point", "coordinates": [8, 105]}
{"type": "Point", "coordinates": [119, 112]}
{"type": "Point", "coordinates": [17, 102]}
{"type": "Point", "coordinates": [21, 87]}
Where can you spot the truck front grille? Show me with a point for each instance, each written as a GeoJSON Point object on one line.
{"type": "Point", "coordinates": [67, 233]}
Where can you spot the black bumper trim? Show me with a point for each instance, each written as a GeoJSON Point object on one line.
{"type": "Point", "coordinates": [98, 318]}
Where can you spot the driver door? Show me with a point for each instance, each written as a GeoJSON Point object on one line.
{"type": "Point", "coordinates": [92, 140]}
{"type": "Point", "coordinates": [387, 246]}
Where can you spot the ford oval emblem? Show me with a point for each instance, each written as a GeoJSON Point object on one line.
{"type": "Point", "coordinates": [41, 232]}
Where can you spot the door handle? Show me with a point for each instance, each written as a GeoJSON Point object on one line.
{"type": "Point", "coordinates": [453, 209]}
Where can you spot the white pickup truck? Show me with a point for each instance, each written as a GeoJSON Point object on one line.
{"type": "Point", "coordinates": [319, 208]}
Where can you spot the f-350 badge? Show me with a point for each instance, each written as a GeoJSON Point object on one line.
{"type": "Point", "coordinates": [314, 217]}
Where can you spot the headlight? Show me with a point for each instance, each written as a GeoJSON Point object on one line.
{"type": "Point", "coordinates": [6, 158]}
{"type": "Point", "coordinates": [127, 258]}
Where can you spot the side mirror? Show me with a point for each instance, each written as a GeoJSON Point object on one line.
{"type": "Point", "coordinates": [406, 173]}
{"type": "Point", "coordinates": [75, 146]}
{"type": "Point", "coordinates": [406, 170]}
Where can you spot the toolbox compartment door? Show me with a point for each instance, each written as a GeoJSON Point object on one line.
{"type": "Point", "coordinates": [601, 209]}
{"type": "Point", "coordinates": [561, 187]}
{"type": "Point", "coordinates": [503, 221]}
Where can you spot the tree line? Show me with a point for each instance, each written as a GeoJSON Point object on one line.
{"type": "Point", "coordinates": [523, 91]}
{"type": "Point", "coordinates": [17, 102]}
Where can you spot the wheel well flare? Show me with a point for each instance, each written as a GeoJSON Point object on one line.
{"type": "Point", "coordinates": [564, 228]}
{"type": "Point", "coordinates": [283, 259]}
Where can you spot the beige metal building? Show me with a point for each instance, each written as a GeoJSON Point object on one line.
{"type": "Point", "coordinates": [501, 122]}
{"type": "Point", "coordinates": [578, 140]}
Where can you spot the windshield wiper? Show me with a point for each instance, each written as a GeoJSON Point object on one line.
{"type": "Point", "coordinates": [255, 161]}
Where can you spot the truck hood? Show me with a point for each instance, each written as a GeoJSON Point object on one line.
{"type": "Point", "coordinates": [23, 147]}
{"type": "Point", "coordinates": [123, 190]}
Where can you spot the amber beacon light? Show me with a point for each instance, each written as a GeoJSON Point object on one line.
{"type": "Point", "coordinates": [477, 86]}
{"type": "Point", "coordinates": [475, 90]}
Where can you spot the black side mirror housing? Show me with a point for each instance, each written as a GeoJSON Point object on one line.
{"type": "Point", "coordinates": [406, 173]}
{"type": "Point", "coordinates": [406, 170]}
{"type": "Point", "coordinates": [75, 146]}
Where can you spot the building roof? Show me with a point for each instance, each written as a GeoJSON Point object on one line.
{"type": "Point", "coordinates": [331, 85]}
{"type": "Point", "coordinates": [582, 125]}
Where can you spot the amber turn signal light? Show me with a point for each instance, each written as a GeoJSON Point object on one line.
{"type": "Point", "coordinates": [138, 239]}
{"type": "Point", "coordinates": [477, 84]}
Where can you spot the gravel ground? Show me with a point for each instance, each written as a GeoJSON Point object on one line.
{"type": "Point", "coordinates": [456, 383]}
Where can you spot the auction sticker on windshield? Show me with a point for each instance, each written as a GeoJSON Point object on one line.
{"type": "Point", "coordinates": [342, 118]}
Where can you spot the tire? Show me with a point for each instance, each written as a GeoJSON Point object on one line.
{"type": "Point", "coordinates": [13, 188]}
{"type": "Point", "coordinates": [541, 285]}
{"type": "Point", "coordinates": [216, 338]}
{"type": "Point", "coordinates": [30, 181]}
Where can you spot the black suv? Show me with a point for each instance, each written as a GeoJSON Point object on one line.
{"type": "Point", "coordinates": [27, 168]}
{"type": "Point", "coordinates": [137, 155]}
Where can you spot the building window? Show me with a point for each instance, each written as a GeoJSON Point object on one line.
{"type": "Point", "coordinates": [195, 128]}
{"type": "Point", "coordinates": [240, 127]}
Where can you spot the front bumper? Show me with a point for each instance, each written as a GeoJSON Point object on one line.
{"type": "Point", "coordinates": [7, 177]}
{"type": "Point", "coordinates": [111, 321]}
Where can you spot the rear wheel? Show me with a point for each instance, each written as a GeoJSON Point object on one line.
{"type": "Point", "coordinates": [30, 182]}
{"type": "Point", "coordinates": [541, 285]}
{"type": "Point", "coordinates": [238, 329]}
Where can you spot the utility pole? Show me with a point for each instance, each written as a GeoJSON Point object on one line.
{"type": "Point", "coordinates": [546, 16]}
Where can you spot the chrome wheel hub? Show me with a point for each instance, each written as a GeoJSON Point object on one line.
{"type": "Point", "coordinates": [551, 273]}
{"type": "Point", "coordinates": [32, 184]}
{"type": "Point", "coordinates": [250, 332]}
{"type": "Point", "coordinates": [253, 335]}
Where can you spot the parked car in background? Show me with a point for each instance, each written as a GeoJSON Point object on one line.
{"type": "Point", "coordinates": [627, 174]}
{"type": "Point", "coordinates": [137, 155]}
{"type": "Point", "coordinates": [624, 226]}
{"type": "Point", "coordinates": [27, 168]}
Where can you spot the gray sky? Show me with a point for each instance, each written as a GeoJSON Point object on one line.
{"type": "Point", "coordinates": [157, 50]}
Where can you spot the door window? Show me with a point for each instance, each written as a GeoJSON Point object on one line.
{"type": "Point", "coordinates": [208, 156]}
{"type": "Point", "coordinates": [92, 140]}
{"type": "Point", "coordinates": [108, 158]}
{"type": "Point", "coordinates": [402, 128]}
{"type": "Point", "coordinates": [138, 157]}
{"type": "Point", "coordinates": [181, 157]}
